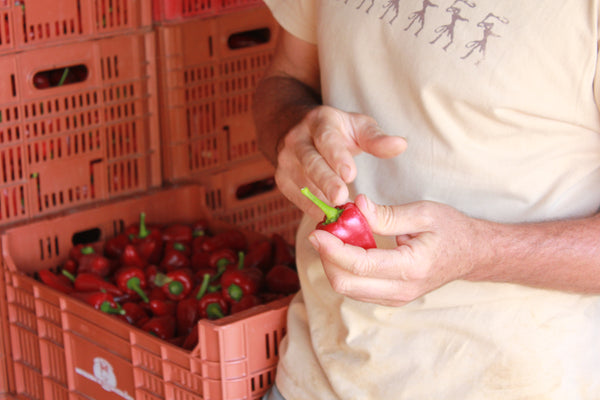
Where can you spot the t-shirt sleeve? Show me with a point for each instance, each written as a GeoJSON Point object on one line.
{"type": "Point", "coordinates": [298, 17]}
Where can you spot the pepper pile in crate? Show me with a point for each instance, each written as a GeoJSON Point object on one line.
{"type": "Point", "coordinates": [164, 279]}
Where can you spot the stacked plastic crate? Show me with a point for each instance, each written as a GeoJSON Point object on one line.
{"type": "Point", "coordinates": [81, 154]}
{"type": "Point", "coordinates": [209, 62]}
{"type": "Point", "coordinates": [78, 126]}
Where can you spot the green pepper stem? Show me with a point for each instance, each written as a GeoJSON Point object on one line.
{"type": "Point", "coordinates": [109, 309]}
{"type": "Point", "coordinates": [241, 259]}
{"type": "Point", "coordinates": [134, 284]}
{"type": "Point", "coordinates": [203, 286]}
{"type": "Point", "coordinates": [143, 231]}
{"type": "Point", "coordinates": [68, 275]}
{"type": "Point", "coordinates": [331, 213]}
{"type": "Point", "coordinates": [175, 288]}
{"type": "Point", "coordinates": [235, 292]}
{"type": "Point", "coordinates": [87, 250]}
{"type": "Point", "coordinates": [214, 311]}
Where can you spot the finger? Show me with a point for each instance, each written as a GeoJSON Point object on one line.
{"type": "Point", "coordinates": [386, 264]}
{"type": "Point", "coordinates": [373, 140]}
{"type": "Point", "coordinates": [395, 220]}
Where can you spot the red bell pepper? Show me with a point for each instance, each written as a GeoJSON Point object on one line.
{"type": "Point", "coordinates": [88, 282]}
{"type": "Point", "coordinates": [134, 314]}
{"type": "Point", "coordinates": [113, 247]}
{"type": "Point", "coordinates": [132, 280]}
{"type": "Point", "coordinates": [260, 256]}
{"type": "Point", "coordinates": [246, 302]}
{"type": "Point", "coordinates": [283, 252]}
{"type": "Point", "coordinates": [78, 250]}
{"type": "Point", "coordinates": [181, 233]}
{"type": "Point", "coordinates": [147, 240]}
{"type": "Point", "coordinates": [162, 307]}
{"type": "Point", "coordinates": [345, 221]}
{"type": "Point", "coordinates": [102, 301]}
{"type": "Point", "coordinates": [70, 266]}
{"type": "Point", "coordinates": [150, 271]}
{"type": "Point", "coordinates": [175, 258]}
{"type": "Point", "coordinates": [239, 282]}
{"type": "Point", "coordinates": [231, 239]}
{"type": "Point", "coordinates": [200, 260]}
{"type": "Point", "coordinates": [211, 304]}
{"type": "Point", "coordinates": [176, 284]}
{"type": "Point", "coordinates": [162, 327]}
{"type": "Point", "coordinates": [191, 340]}
{"type": "Point", "coordinates": [55, 281]}
{"type": "Point", "coordinates": [131, 258]}
{"type": "Point", "coordinates": [222, 258]}
{"type": "Point", "coordinates": [187, 315]}
{"type": "Point", "coordinates": [96, 264]}
{"type": "Point", "coordinates": [282, 279]}
{"type": "Point", "coordinates": [201, 227]}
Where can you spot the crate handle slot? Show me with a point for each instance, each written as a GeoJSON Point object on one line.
{"type": "Point", "coordinates": [255, 188]}
{"type": "Point", "coordinates": [250, 38]}
{"type": "Point", "coordinates": [86, 236]}
{"type": "Point", "coordinates": [60, 76]}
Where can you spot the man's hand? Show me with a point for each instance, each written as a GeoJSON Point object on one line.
{"type": "Point", "coordinates": [318, 153]}
{"type": "Point", "coordinates": [436, 244]}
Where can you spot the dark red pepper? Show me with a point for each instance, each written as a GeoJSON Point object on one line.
{"type": "Point", "coordinates": [246, 302]}
{"type": "Point", "coordinates": [88, 282]}
{"type": "Point", "coordinates": [260, 255]}
{"type": "Point", "coordinates": [162, 307]}
{"type": "Point", "coordinates": [282, 279]}
{"type": "Point", "coordinates": [150, 271]}
{"type": "Point", "coordinates": [187, 315]}
{"type": "Point", "coordinates": [191, 340]}
{"type": "Point", "coordinates": [113, 247]}
{"type": "Point", "coordinates": [222, 258]}
{"type": "Point", "coordinates": [345, 221]}
{"type": "Point", "coordinates": [55, 281]}
{"type": "Point", "coordinates": [96, 264]}
{"type": "Point", "coordinates": [283, 252]}
{"type": "Point", "coordinates": [131, 258]}
{"type": "Point", "coordinates": [200, 260]}
{"type": "Point", "coordinates": [147, 241]}
{"type": "Point", "coordinates": [239, 282]}
{"type": "Point", "coordinates": [78, 250]}
{"type": "Point", "coordinates": [162, 327]}
{"type": "Point", "coordinates": [134, 314]}
{"type": "Point", "coordinates": [132, 280]}
{"type": "Point", "coordinates": [176, 284]}
{"type": "Point", "coordinates": [211, 304]}
{"type": "Point", "coordinates": [231, 239]}
{"type": "Point", "coordinates": [180, 233]}
{"type": "Point", "coordinates": [175, 257]}
{"type": "Point", "coordinates": [102, 301]}
{"type": "Point", "coordinates": [201, 227]}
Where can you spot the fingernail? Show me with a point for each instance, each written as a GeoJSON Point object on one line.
{"type": "Point", "coordinates": [313, 240]}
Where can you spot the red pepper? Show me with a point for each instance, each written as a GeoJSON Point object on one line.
{"type": "Point", "coordinates": [78, 250]}
{"type": "Point", "coordinates": [200, 260]}
{"type": "Point", "coordinates": [96, 264]}
{"type": "Point", "coordinates": [162, 327]}
{"type": "Point", "coordinates": [246, 302]}
{"type": "Point", "coordinates": [147, 240]}
{"type": "Point", "coordinates": [211, 305]}
{"type": "Point", "coordinates": [239, 282]}
{"type": "Point", "coordinates": [70, 266]}
{"type": "Point", "coordinates": [183, 247]}
{"type": "Point", "coordinates": [345, 221]}
{"type": "Point", "coordinates": [198, 243]}
{"type": "Point", "coordinates": [132, 280]}
{"type": "Point", "coordinates": [181, 233]}
{"type": "Point", "coordinates": [102, 301]}
{"type": "Point", "coordinates": [55, 281]}
{"type": "Point", "coordinates": [282, 279]}
{"type": "Point", "coordinates": [175, 258]}
{"type": "Point", "coordinates": [150, 271]}
{"type": "Point", "coordinates": [283, 252]}
{"type": "Point", "coordinates": [162, 307]}
{"type": "Point", "coordinates": [176, 284]}
{"type": "Point", "coordinates": [260, 256]}
{"type": "Point", "coordinates": [222, 258]}
{"type": "Point", "coordinates": [156, 293]}
{"type": "Point", "coordinates": [201, 227]}
{"type": "Point", "coordinates": [113, 247]}
{"type": "Point", "coordinates": [134, 314]}
{"type": "Point", "coordinates": [131, 258]}
{"type": "Point", "coordinates": [191, 340]}
{"type": "Point", "coordinates": [231, 239]}
{"type": "Point", "coordinates": [187, 315]}
{"type": "Point", "coordinates": [88, 282]}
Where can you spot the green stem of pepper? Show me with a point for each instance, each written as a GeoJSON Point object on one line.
{"type": "Point", "coordinates": [134, 284]}
{"type": "Point", "coordinates": [143, 231]}
{"type": "Point", "coordinates": [203, 286]}
{"type": "Point", "coordinates": [331, 213]}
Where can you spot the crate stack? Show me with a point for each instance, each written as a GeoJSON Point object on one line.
{"type": "Point", "coordinates": [109, 108]}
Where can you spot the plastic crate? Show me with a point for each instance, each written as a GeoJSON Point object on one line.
{"type": "Point", "coordinates": [64, 349]}
{"type": "Point", "coordinates": [172, 10]}
{"type": "Point", "coordinates": [247, 196]}
{"type": "Point", "coordinates": [72, 144]}
{"type": "Point", "coordinates": [208, 70]}
{"type": "Point", "coordinates": [27, 24]}
{"type": "Point", "coordinates": [6, 377]}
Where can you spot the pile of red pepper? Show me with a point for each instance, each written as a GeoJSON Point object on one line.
{"type": "Point", "coordinates": [164, 279]}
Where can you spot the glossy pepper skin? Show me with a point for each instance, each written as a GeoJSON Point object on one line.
{"type": "Point", "coordinates": [132, 280]}
{"type": "Point", "coordinates": [345, 221]}
{"type": "Point", "coordinates": [113, 247]}
{"type": "Point", "coordinates": [176, 284]}
{"type": "Point", "coordinates": [175, 257]}
{"type": "Point", "coordinates": [239, 282]}
{"type": "Point", "coordinates": [55, 281]}
{"type": "Point", "coordinates": [88, 282]}
{"type": "Point", "coordinates": [134, 314]}
{"type": "Point", "coordinates": [211, 304]}
{"type": "Point", "coordinates": [102, 301]}
{"type": "Point", "coordinates": [96, 264]}
{"type": "Point", "coordinates": [162, 327]}
{"type": "Point", "coordinates": [147, 240]}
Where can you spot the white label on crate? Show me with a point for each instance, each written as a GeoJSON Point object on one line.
{"type": "Point", "coordinates": [104, 375]}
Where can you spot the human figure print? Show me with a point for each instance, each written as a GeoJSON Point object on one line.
{"type": "Point", "coordinates": [391, 5]}
{"type": "Point", "coordinates": [368, 8]}
{"type": "Point", "coordinates": [481, 45]}
{"type": "Point", "coordinates": [455, 16]}
{"type": "Point", "coordinates": [419, 16]}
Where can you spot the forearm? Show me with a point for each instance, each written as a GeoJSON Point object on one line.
{"type": "Point", "coordinates": [561, 255]}
{"type": "Point", "coordinates": [280, 102]}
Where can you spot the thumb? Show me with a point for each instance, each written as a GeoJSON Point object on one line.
{"type": "Point", "coordinates": [390, 220]}
{"type": "Point", "coordinates": [373, 140]}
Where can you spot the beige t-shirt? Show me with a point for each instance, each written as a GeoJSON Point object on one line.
{"type": "Point", "coordinates": [497, 102]}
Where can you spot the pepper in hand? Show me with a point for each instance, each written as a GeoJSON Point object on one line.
{"type": "Point", "coordinates": [345, 221]}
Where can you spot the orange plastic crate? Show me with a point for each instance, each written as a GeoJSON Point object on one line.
{"type": "Point", "coordinates": [170, 10]}
{"type": "Point", "coordinates": [6, 371]}
{"type": "Point", "coordinates": [64, 349]}
{"type": "Point", "coordinates": [27, 24]}
{"type": "Point", "coordinates": [83, 142]}
{"type": "Point", "coordinates": [208, 71]}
